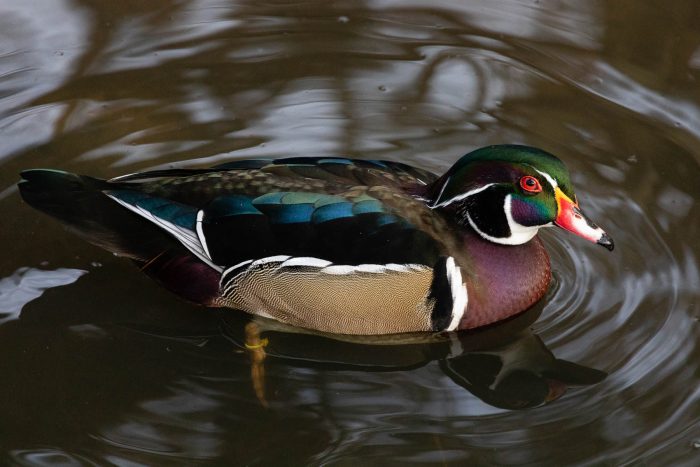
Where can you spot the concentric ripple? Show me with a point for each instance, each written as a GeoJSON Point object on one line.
{"type": "Point", "coordinates": [108, 368]}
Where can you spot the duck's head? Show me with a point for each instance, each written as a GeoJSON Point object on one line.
{"type": "Point", "coordinates": [506, 193]}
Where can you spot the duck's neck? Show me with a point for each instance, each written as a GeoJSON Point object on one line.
{"type": "Point", "coordinates": [503, 280]}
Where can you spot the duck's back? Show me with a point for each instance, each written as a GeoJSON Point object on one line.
{"type": "Point", "coordinates": [328, 175]}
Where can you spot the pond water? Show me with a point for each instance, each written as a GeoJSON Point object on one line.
{"type": "Point", "coordinates": [100, 366]}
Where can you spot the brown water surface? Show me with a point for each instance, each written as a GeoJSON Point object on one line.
{"type": "Point", "coordinates": [100, 366]}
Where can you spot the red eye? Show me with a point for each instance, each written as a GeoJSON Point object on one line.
{"type": "Point", "coordinates": [530, 184]}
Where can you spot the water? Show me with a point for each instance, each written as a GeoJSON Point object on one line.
{"type": "Point", "coordinates": [101, 366]}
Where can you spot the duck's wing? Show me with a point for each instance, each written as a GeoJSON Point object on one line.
{"type": "Point", "coordinates": [353, 229]}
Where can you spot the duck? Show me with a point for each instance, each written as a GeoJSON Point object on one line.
{"type": "Point", "coordinates": [332, 244]}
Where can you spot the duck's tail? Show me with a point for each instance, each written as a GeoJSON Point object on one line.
{"type": "Point", "coordinates": [80, 203]}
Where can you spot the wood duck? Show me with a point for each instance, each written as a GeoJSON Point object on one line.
{"type": "Point", "coordinates": [360, 247]}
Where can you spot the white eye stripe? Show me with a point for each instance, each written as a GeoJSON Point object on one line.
{"type": "Point", "coordinates": [549, 178]}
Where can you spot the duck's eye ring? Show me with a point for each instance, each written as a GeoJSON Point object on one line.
{"type": "Point", "coordinates": [530, 184]}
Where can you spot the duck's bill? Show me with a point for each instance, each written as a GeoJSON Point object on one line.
{"type": "Point", "coordinates": [572, 219]}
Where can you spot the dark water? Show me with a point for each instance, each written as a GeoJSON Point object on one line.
{"type": "Point", "coordinates": [100, 366]}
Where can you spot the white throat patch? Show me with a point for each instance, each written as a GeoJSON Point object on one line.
{"type": "Point", "coordinates": [519, 234]}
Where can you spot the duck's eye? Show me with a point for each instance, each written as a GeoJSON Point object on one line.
{"type": "Point", "coordinates": [530, 184]}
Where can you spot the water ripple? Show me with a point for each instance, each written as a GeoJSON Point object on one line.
{"type": "Point", "coordinates": [103, 88]}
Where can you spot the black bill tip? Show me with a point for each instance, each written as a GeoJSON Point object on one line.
{"type": "Point", "coordinates": [606, 241]}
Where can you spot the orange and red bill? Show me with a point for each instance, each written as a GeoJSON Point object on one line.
{"type": "Point", "coordinates": [570, 217]}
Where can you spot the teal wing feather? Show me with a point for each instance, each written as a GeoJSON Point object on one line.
{"type": "Point", "coordinates": [333, 228]}
{"type": "Point", "coordinates": [234, 228]}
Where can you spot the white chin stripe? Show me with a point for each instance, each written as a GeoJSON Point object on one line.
{"type": "Point", "coordinates": [519, 234]}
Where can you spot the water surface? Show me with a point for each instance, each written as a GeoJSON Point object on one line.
{"type": "Point", "coordinates": [100, 366]}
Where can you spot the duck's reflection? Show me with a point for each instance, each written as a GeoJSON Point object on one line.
{"type": "Point", "coordinates": [506, 366]}
{"type": "Point", "coordinates": [518, 375]}
{"type": "Point", "coordinates": [151, 374]}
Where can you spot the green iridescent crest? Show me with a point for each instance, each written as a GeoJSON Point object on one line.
{"type": "Point", "coordinates": [503, 164]}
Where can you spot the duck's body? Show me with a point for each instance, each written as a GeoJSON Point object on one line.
{"type": "Point", "coordinates": [336, 245]}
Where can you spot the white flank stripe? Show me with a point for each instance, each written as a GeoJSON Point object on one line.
{"type": "Point", "coordinates": [372, 268]}
{"type": "Point", "coordinates": [338, 270]}
{"type": "Point", "coordinates": [405, 267]}
{"type": "Point", "coordinates": [270, 259]}
{"type": "Point", "coordinates": [459, 293]}
{"type": "Point", "coordinates": [323, 267]}
{"type": "Point", "coordinates": [228, 271]}
{"type": "Point", "coordinates": [397, 267]}
{"type": "Point", "coordinates": [306, 261]}
{"type": "Point", "coordinates": [184, 236]}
